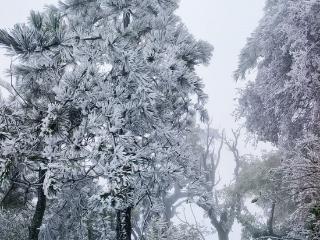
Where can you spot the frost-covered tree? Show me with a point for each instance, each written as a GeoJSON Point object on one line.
{"type": "Point", "coordinates": [159, 230]}
{"type": "Point", "coordinates": [14, 224]}
{"type": "Point", "coordinates": [103, 93]}
{"type": "Point", "coordinates": [221, 204]}
{"type": "Point", "coordinates": [262, 181]}
{"type": "Point", "coordinates": [282, 104]}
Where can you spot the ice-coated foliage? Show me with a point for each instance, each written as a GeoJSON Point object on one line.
{"type": "Point", "coordinates": [14, 224]}
{"type": "Point", "coordinates": [103, 96]}
{"type": "Point", "coordinates": [262, 181]}
{"type": "Point", "coordinates": [282, 104]}
{"type": "Point", "coordinates": [159, 230]}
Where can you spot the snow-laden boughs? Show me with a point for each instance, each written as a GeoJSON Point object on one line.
{"type": "Point", "coordinates": [271, 206]}
{"type": "Point", "coordinates": [159, 230]}
{"type": "Point", "coordinates": [104, 91]}
{"type": "Point", "coordinates": [282, 104]}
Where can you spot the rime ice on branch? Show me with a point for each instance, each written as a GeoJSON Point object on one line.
{"type": "Point", "coordinates": [102, 91]}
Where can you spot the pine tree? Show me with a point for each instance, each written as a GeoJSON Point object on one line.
{"type": "Point", "coordinates": [102, 92]}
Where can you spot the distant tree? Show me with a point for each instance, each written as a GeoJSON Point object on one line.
{"type": "Point", "coordinates": [159, 230]}
{"type": "Point", "coordinates": [221, 204]}
{"type": "Point", "coordinates": [102, 92]}
{"type": "Point", "coordinates": [262, 181]}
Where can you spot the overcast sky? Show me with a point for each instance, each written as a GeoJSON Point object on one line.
{"type": "Point", "coordinates": [224, 23]}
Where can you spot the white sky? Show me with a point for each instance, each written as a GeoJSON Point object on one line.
{"type": "Point", "coordinates": [224, 23]}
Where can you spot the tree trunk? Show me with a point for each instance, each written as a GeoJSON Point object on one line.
{"type": "Point", "coordinates": [90, 231]}
{"type": "Point", "coordinates": [223, 235]}
{"type": "Point", "coordinates": [270, 220]}
{"type": "Point", "coordinates": [36, 222]}
{"type": "Point", "coordinates": [124, 227]}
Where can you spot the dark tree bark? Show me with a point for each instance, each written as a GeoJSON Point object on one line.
{"type": "Point", "coordinates": [128, 227]}
{"type": "Point", "coordinates": [223, 235]}
{"type": "Point", "coordinates": [91, 235]}
{"type": "Point", "coordinates": [270, 220]}
{"type": "Point", "coordinates": [37, 219]}
{"type": "Point", "coordinates": [124, 228]}
{"type": "Point", "coordinates": [126, 19]}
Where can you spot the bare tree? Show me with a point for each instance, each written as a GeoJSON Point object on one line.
{"type": "Point", "coordinates": [220, 204]}
{"type": "Point", "coordinates": [222, 211]}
